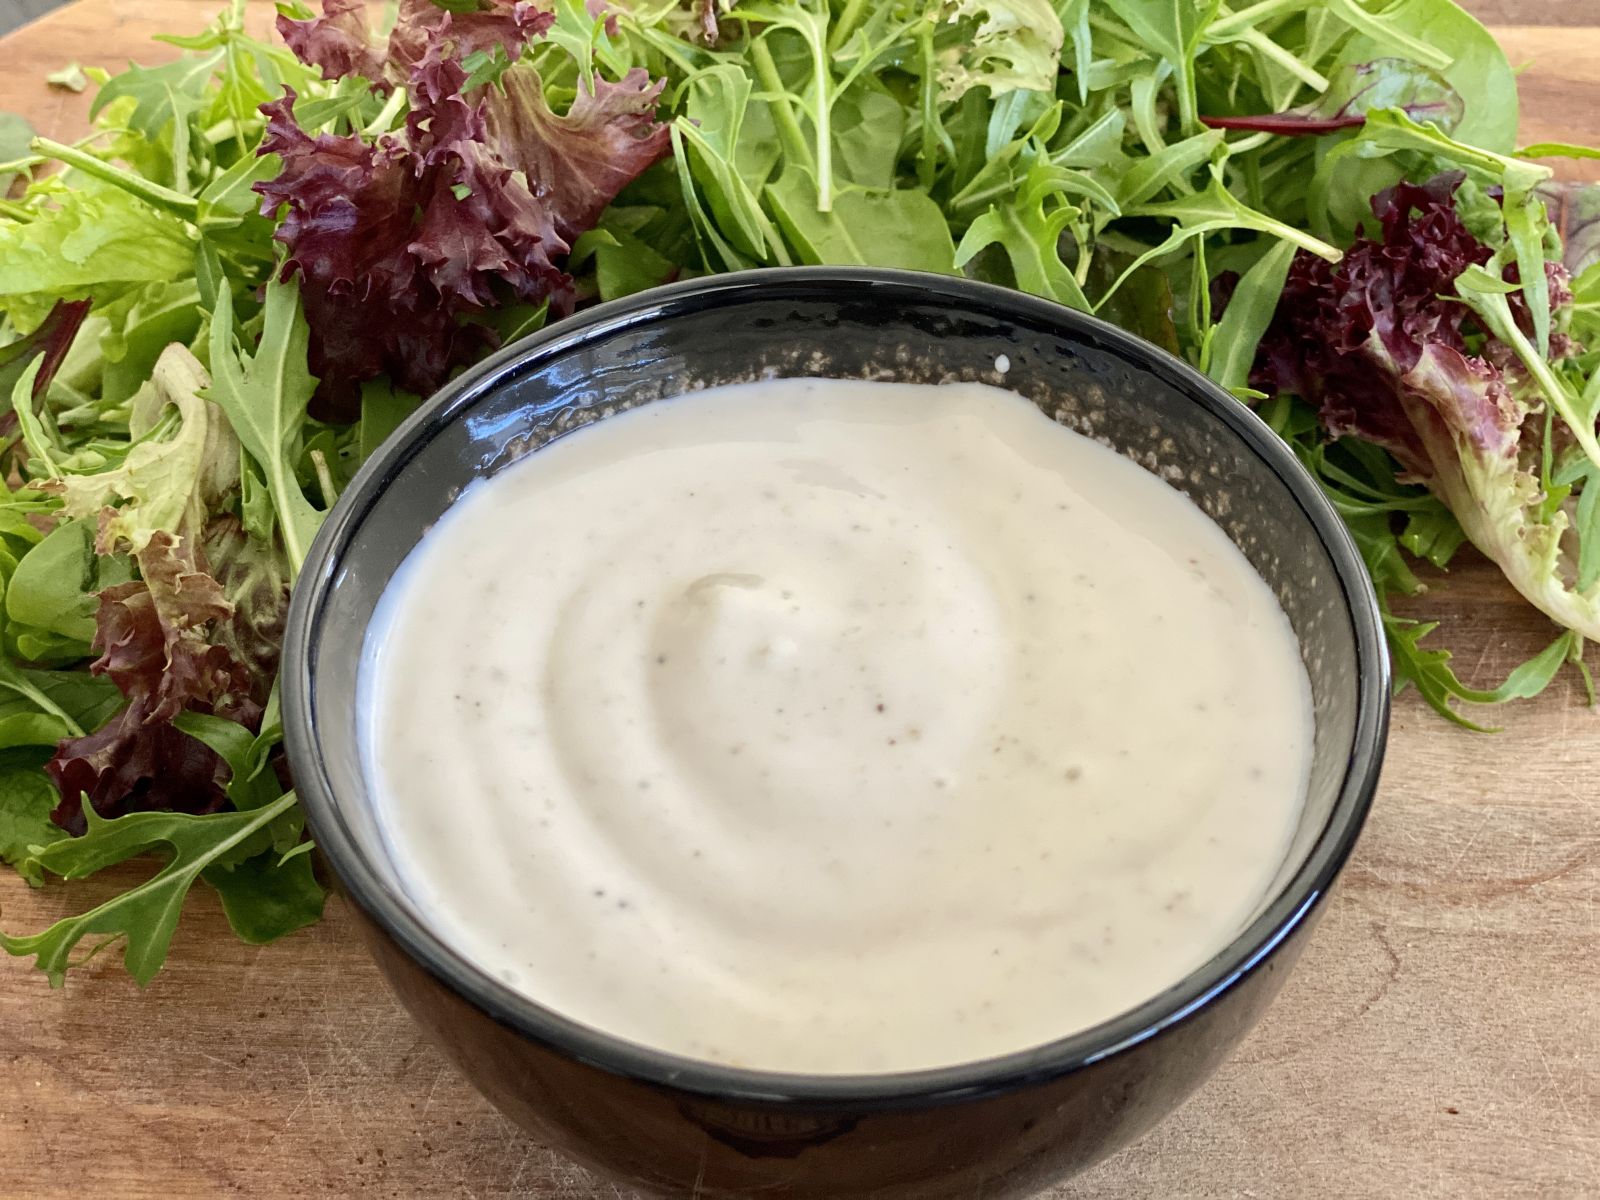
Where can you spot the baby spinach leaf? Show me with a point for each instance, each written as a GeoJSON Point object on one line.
{"type": "Point", "coordinates": [1442, 37]}
{"type": "Point", "coordinates": [52, 587]}
{"type": "Point", "coordinates": [869, 126]}
{"type": "Point", "coordinates": [899, 227]}
{"type": "Point", "coordinates": [26, 799]}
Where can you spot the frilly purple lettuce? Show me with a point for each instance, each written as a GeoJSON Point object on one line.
{"type": "Point", "coordinates": [1382, 345]}
{"type": "Point", "coordinates": [476, 199]}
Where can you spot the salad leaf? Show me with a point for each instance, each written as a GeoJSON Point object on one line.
{"type": "Point", "coordinates": [894, 227]}
{"type": "Point", "coordinates": [1248, 315]}
{"type": "Point", "coordinates": [69, 78]}
{"type": "Point", "coordinates": [267, 896]}
{"type": "Point", "coordinates": [152, 638]}
{"type": "Point", "coordinates": [90, 240]}
{"type": "Point", "coordinates": [163, 484]}
{"type": "Point", "coordinates": [1377, 344]}
{"type": "Point", "coordinates": [1464, 53]}
{"type": "Point", "coordinates": [16, 136]}
{"type": "Point", "coordinates": [1029, 229]}
{"type": "Point", "coordinates": [49, 343]}
{"type": "Point", "coordinates": [265, 396]}
{"type": "Point", "coordinates": [337, 43]}
{"type": "Point", "coordinates": [1172, 30]}
{"type": "Point", "coordinates": [581, 160]}
{"type": "Point", "coordinates": [145, 917]}
{"type": "Point", "coordinates": [396, 239]}
{"type": "Point", "coordinates": [26, 799]}
{"type": "Point", "coordinates": [49, 588]}
{"type": "Point", "coordinates": [1001, 45]}
{"type": "Point", "coordinates": [1428, 670]}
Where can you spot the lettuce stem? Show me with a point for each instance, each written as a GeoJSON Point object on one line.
{"type": "Point", "coordinates": [793, 137]}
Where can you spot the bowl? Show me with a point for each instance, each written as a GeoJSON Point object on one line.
{"type": "Point", "coordinates": [673, 1126]}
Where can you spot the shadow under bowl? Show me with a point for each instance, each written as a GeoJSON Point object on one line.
{"type": "Point", "coordinates": [1001, 1127]}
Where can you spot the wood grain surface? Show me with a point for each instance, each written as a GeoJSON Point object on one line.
{"type": "Point", "coordinates": [1440, 1038]}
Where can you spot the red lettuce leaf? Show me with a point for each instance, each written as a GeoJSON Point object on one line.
{"type": "Point", "coordinates": [134, 764]}
{"type": "Point", "coordinates": [1346, 336]}
{"type": "Point", "coordinates": [337, 43]}
{"type": "Point", "coordinates": [178, 640]}
{"type": "Point", "coordinates": [53, 338]}
{"type": "Point", "coordinates": [152, 637]}
{"type": "Point", "coordinates": [580, 161]}
{"type": "Point", "coordinates": [349, 223]}
{"type": "Point", "coordinates": [1380, 344]}
{"type": "Point", "coordinates": [400, 241]}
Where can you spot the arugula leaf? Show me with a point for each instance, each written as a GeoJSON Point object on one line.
{"type": "Point", "coordinates": [1428, 670]}
{"type": "Point", "coordinates": [730, 166]}
{"type": "Point", "coordinates": [1432, 532]}
{"type": "Point", "coordinates": [1210, 211]}
{"type": "Point", "coordinates": [146, 916]}
{"type": "Point", "coordinates": [1029, 230]}
{"type": "Point", "coordinates": [264, 396]}
{"type": "Point", "coordinates": [1173, 29]}
{"type": "Point", "coordinates": [1249, 312]}
{"type": "Point", "coordinates": [268, 896]}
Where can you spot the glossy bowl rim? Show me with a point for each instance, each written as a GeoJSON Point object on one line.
{"type": "Point", "coordinates": [1248, 951]}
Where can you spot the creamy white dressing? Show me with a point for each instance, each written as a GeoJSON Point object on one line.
{"type": "Point", "coordinates": [833, 726]}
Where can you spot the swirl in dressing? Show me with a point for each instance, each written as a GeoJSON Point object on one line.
{"type": "Point", "coordinates": [834, 727]}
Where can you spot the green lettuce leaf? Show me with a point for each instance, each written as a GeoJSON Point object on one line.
{"type": "Point", "coordinates": [89, 240]}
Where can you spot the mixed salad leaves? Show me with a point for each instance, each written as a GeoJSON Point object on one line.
{"type": "Point", "coordinates": [220, 301]}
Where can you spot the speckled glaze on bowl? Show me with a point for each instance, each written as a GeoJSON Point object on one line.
{"type": "Point", "coordinates": [668, 1125]}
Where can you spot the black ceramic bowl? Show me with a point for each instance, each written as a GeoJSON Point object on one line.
{"type": "Point", "coordinates": [994, 1128]}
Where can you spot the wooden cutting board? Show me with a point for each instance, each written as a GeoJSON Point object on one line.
{"type": "Point", "coordinates": [1441, 1036]}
